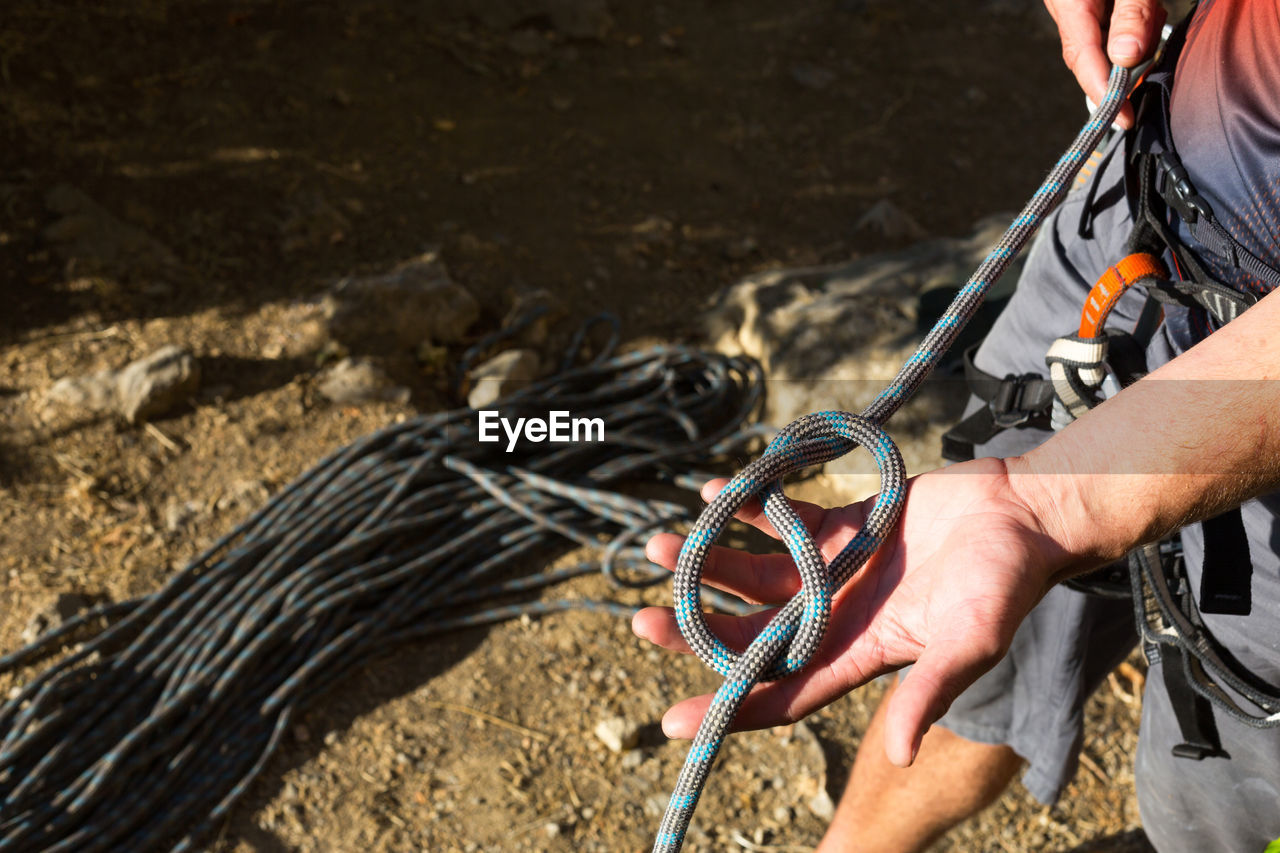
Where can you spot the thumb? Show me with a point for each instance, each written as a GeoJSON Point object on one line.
{"type": "Point", "coordinates": [1132, 35]}
{"type": "Point", "coordinates": [948, 665]}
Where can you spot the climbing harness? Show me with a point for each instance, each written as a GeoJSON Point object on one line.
{"type": "Point", "coordinates": [786, 644]}
{"type": "Point", "coordinates": [1092, 363]}
{"type": "Point", "coordinates": [144, 737]}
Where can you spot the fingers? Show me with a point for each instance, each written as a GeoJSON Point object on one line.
{"type": "Point", "coordinates": [1132, 35]}
{"type": "Point", "coordinates": [658, 626]}
{"type": "Point", "coordinates": [753, 513]}
{"type": "Point", "coordinates": [772, 704]}
{"type": "Point", "coordinates": [1080, 28]}
{"type": "Point", "coordinates": [757, 578]}
{"type": "Point", "coordinates": [947, 666]}
{"type": "Point", "coordinates": [1135, 26]}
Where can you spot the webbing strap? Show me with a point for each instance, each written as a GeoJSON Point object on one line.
{"type": "Point", "coordinates": [1228, 569]}
{"type": "Point", "coordinates": [1076, 362]}
{"type": "Point", "coordinates": [1112, 284]}
{"type": "Point", "coordinates": [1193, 712]}
{"type": "Point", "coordinates": [1160, 174]}
{"type": "Point", "coordinates": [1166, 616]}
{"type": "Point", "coordinates": [1012, 401]}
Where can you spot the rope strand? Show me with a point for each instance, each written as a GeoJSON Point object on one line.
{"type": "Point", "coordinates": [789, 640]}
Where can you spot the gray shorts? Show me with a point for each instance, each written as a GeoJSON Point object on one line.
{"type": "Point", "coordinates": [1033, 700]}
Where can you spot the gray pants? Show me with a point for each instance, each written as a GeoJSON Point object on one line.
{"type": "Point", "coordinates": [1033, 700]}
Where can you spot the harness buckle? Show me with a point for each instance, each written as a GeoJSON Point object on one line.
{"type": "Point", "coordinates": [1007, 404]}
{"type": "Point", "coordinates": [1189, 203]}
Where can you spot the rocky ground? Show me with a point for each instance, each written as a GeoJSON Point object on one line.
{"type": "Point", "coordinates": [216, 221]}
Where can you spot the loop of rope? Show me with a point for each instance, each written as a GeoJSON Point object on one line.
{"type": "Point", "coordinates": [147, 735]}
{"type": "Point", "coordinates": [788, 642]}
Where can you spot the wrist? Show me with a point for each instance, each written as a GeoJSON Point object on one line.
{"type": "Point", "coordinates": [1078, 537]}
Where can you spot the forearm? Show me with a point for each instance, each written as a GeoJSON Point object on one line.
{"type": "Point", "coordinates": [1197, 436]}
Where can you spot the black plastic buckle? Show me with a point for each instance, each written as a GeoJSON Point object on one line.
{"type": "Point", "coordinates": [1007, 404]}
{"type": "Point", "coordinates": [1195, 751]}
{"type": "Point", "coordinates": [1189, 203]}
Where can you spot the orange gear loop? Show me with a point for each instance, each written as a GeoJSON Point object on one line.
{"type": "Point", "coordinates": [1111, 286]}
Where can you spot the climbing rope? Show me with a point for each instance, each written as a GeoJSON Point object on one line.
{"type": "Point", "coordinates": [145, 737]}
{"type": "Point", "coordinates": [786, 644]}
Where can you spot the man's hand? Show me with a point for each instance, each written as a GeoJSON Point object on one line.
{"type": "Point", "coordinates": [965, 564]}
{"type": "Point", "coordinates": [1131, 36]}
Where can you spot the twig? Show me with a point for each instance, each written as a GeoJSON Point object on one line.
{"type": "Point", "coordinates": [573, 793]}
{"type": "Point", "coordinates": [87, 335]}
{"type": "Point", "coordinates": [487, 717]}
{"type": "Point", "coordinates": [67, 465]}
{"type": "Point", "coordinates": [1092, 767]}
{"type": "Point", "coordinates": [158, 434]}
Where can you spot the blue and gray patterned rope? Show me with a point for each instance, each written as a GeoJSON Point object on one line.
{"type": "Point", "coordinates": [787, 643]}
{"type": "Point", "coordinates": [146, 736]}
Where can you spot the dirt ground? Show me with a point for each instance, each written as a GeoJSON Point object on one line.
{"type": "Point", "coordinates": [626, 156]}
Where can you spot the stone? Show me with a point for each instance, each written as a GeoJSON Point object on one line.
{"type": "Point", "coordinates": [838, 333]}
{"type": "Point", "coordinates": [153, 385]}
{"type": "Point", "coordinates": [822, 805]}
{"type": "Point", "coordinates": [359, 380]}
{"type": "Point", "coordinates": [618, 733]}
{"type": "Point", "coordinates": [501, 375]}
{"type": "Point", "coordinates": [414, 303]}
{"type": "Point", "coordinates": [94, 393]}
{"type": "Point", "coordinates": [143, 389]}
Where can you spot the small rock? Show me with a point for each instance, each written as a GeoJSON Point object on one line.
{"type": "Point", "coordinates": [888, 219]}
{"type": "Point", "coordinates": [95, 392]}
{"type": "Point", "coordinates": [141, 389]}
{"type": "Point", "coordinates": [499, 376]}
{"type": "Point", "coordinates": [552, 829]}
{"type": "Point", "coordinates": [783, 815]}
{"type": "Point", "coordinates": [359, 380]}
{"type": "Point", "coordinates": [632, 759]}
{"type": "Point", "coordinates": [65, 608]}
{"type": "Point", "coordinates": [618, 733]}
{"type": "Point", "coordinates": [153, 385]}
{"type": "Point", "coordinates": [548, 309]}
{"type": "Point", "coordinates": [415, 302]}
{"type": "Point", "coordinates": [822, 805]}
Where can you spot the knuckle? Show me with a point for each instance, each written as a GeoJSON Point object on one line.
{"type": "Point", "coordinates": [1136, 15]}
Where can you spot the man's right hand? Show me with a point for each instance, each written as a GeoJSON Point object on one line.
{"type": "Point", "coordinates": [1131, 36]}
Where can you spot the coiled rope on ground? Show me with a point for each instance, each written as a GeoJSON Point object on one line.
{"type": "Point", "coordinates": [787, 643]}
{"type": "Point", "coordinates": [147, 735]}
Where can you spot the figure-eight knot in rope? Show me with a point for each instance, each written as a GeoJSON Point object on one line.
{"type": "Point", "coordinates": [787, 643]}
